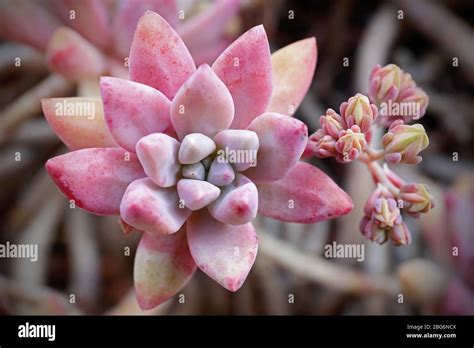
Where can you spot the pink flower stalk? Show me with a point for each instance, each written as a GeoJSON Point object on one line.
{"type": "Point", "coordinates": [396, 94]}
{"type": "Point", "coordinates": [347, 137]}
{"type": "Point", "coordinates": [87, 38]}
{"type": "Point", "coordinates": [175, 172]}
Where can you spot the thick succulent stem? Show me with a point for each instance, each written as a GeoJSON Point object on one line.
{"type": "Point", "coordinates": [370, 158]}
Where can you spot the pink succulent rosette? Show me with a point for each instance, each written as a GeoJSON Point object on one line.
{"type": "Point", "coordinates": [170, 172]}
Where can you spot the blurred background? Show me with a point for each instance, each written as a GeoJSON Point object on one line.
{"type": "Point", "coordinates": [87, 256]}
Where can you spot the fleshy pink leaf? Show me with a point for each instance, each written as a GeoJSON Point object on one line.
{"type": "Point", "coordinates": [237, 140]}
{"type": "Point", "coordinates": [195, 171]}
{"type": "Point", "coordinates": [158, 154]}
{"type": "Point", "coordinates": [293, 71]}
{"type": "Point", "coordinates": [158, 56]}
{"type": "Point", "coordinates": [72, 56]}
{"type": "Point", "coordinates": [238, 202]}
{"type": "Point", "coordinates": [305, 195]}
{"type": "Point", "coordinates": [133, 110]}
{"type": "Point", "coordinates": [282, 142]}
{"type": "Point", "coordinates": [90, 19]}
{"type": "Point", "coordinates": [128, 14]}
{"type": "Point", "coordinates": [202, 105]}
{"type": "Point", "coordinates": [220, 174]}
{"type": "Point", "coordinates": [78, 122]}
{"type": "Point", "coordinates": [246, 69]}
{"type": "Point", "coordinates": [195, 147]}
{"type": "Point", "coordinates": [95, 179]}
{"type": "Point", "coordinates": [224, 252]}
{"type": "Point", "coordinates": [196, 194]}
{"type": "Point", "coordinates": [153, 209]}
{"type": "Point", "coordinates": [163, 265]}
{"type": "Point", "coordinates": [27, 22]}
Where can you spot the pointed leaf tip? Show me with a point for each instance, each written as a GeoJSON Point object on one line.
{"type": "Point", "coordinates": [305, 195]}
{"type": "Point", "coordinates": [293, 70]}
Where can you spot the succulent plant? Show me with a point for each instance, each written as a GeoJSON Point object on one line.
{"type": "Point", "coordinates": [165, 153]}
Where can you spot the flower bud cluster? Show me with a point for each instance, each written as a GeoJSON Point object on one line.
{"type": "Point", "coordinates": [383, 212]}
{"type": "Point", "coordinates": [383, 220]}
{"type": "Point", "coordinates": [344, 136]}
{"type": "Point", "coordinates": [396, 95]}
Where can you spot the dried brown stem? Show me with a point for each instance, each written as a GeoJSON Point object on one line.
{"type": "Point", "coordinates": [375, 45]}
{"type": "Point", "coordinates": [28, 104]}
{"type": "Point", "coordinates": [451, 33]}
{"type": "Point", "coordinates": [37, 132]}
{"type": "Point", "coordinates": [324, 272]}
{"type": "Point", "coordinates": [39, 232]}
{"type": "Point", "coordinates": [273, 296]}
{"type": "Point", "coordinates": [18, 299]}
{"type": "Point", "coordinates": [30, 201]}
{"type": "Point", "coordinates": [30, 59]}
{"type": "Point", "coordinates": [84, 257]}
{"type": "Point", "coordinates": [14, 159]}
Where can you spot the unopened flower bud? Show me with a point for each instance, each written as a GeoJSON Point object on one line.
{"type": "Point", "coordinates": [331, 123]}
{"type": "Point", "coordinates": [415, 100]}
{"type": "Point", "coordinates": [384, 83]}
{"type": "Point", "coordinates": [380, 192]}
{"type": "Point", "coordinates": [402, 143]}
{"type": "Point", "coordinates": [383, 220]}
{"type": "Point", "coordinates": [408, 103]}
{"type": "Point", "coordinates": [323, 145]}
{"type": "Point", "coordinates": [358, 111]}
{"type": "Point", "coordinates": [385, 213]}
{"type": "Point", "coordinates": [372, 231]}
{"type": "Point", "coordinates": [351, 143]}
{"type": "Point", "coordinates": [417, 199]}
{"type": "Point", "coordinates": [400, 234]}
{"type": "Point", "coordinates": [406, 82]}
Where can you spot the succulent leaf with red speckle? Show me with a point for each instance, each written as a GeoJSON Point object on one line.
{"type": "Point", "coordinates": [199, 156]}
